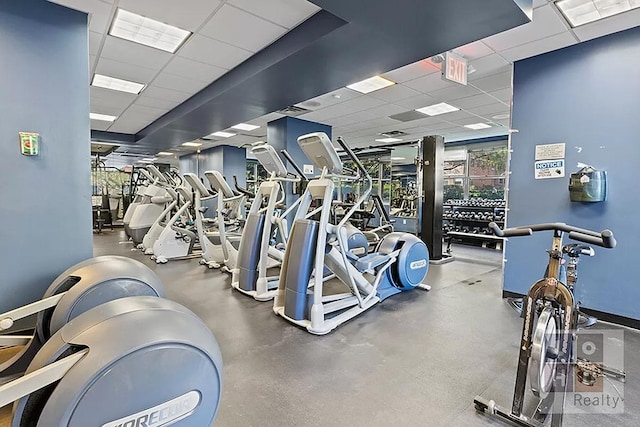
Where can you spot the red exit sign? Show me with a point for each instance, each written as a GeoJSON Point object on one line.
{"type": "Point", "coordinates": [454, 68]}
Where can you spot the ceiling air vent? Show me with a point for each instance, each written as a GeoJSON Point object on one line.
{"type": "Point", "coordinates": [293, 111]}
{"type": "Point", "coordinates": [393, 133]}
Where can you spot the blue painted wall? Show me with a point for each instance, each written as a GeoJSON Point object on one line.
{"type": "Point", "coordinates": [45, 211]}
{"type": "Point", "coordinates": [587, 96]}
{"type": "Point", "coordinates": [283, 134]}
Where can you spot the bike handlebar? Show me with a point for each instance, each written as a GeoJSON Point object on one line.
{"type": "Point", "coordinates": [604, 238]}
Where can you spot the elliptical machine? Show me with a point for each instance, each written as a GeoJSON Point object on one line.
{"type": "Point", "coordinates": [75, 291]}
{"type": "Point", "coordinates": [400, 262]}
{"type": "Point", "coordinates": [257, 253]}
{"type": "Point", "coordinates": [547, 360]}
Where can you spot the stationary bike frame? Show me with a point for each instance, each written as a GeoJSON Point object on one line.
{"type": "Point", "coordinates": [548, 289]}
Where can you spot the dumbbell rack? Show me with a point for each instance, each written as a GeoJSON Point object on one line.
{"type": "Point", "coordinates": [467, 221]}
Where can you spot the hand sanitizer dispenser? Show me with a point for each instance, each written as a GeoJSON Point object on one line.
{"type": "Point", "coordinates": [588, 185]}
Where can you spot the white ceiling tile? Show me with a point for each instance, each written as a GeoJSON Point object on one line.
{"type": "Point", "coordinates": [134, 53]}
{"type": "Point", "coordinates": [490, 110]}
{"type": "Point", "coordinates": [263, 120]}
{"type": "Point", "coordinates": [454, 92]}
{"type": "Point", "coordinates": [474, 50]}
{"type": "Point", "coordinates": [104, 108]}
{"type": "Point", "coordinates": [99, 12]}
{"type": "Point", "coordinates": [129, 123]}
{"type": "Point", "coordinates": [474, 101]}
{"type": "Point", "coordinates": [111, 98]}
{"type": "Point", "coordinates": [194, 70]}
{"type": "Point", "coordinates": [429, 83]}
{"type": "Point", "coordinates": [502, 94]}
{"type": "Point", "coordinates": [494, 82]}
{"type": "Point", "coordinates": [540, 46]}
{"type": "Point", "coordinates": [153, 91]}
{"type": "Point", "coordinates": [178, 83]}
{"type": "Point", "coordinates": [122, 70]}
{"type": "Point", "coordinates": [287, 13]}
{"type": "Point", "coordinates": [335, 97]}
{"type": "Point", "coordinates": [395, 93]}
{"type": "Point", "coordinates": [154, 102]}
{"type": "Point", "coordinates": [489, 65]}
{"type": "Point", "coordinates": [546, 22]}
{"type": "Point", "coordinates": [99, 125]}
{"type": "Point", "coordinates": [150, 113]}
{"type": "Point", "coordinates": [213, 52]}
{"type": "Point", "coordinates": [416, 102]}
{"type": "Point", "coordinates": [609, 25]}
{"type": "Point", "coordinates": [239, 28]}
{"type": "Point", "coordinates": [386, 110]}
{"type": "Point", "coordinates": [92, 62]}
{"type": "Point", "coordinates": [355, 105]}
{"type": "Point", "coordinates": [94, 42]}
{"type": "Point", "coordinates": [412, 71]}
{"type": "Point", "coordinates": [185, 14]}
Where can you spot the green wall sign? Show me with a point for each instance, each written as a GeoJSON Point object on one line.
{"type": "Point", "coordinates": [29, 143]}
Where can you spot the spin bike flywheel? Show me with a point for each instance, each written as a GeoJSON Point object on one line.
{"type": "Point", "coordinates": [544, 348]}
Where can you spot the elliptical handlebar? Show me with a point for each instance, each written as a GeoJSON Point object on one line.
{"type": "Point", "coordinates": [241, 190]}
{"type": "Point", "coordinates": [353, 157]}
{"type": "Point", "coordinates": [295, 166]}
{"type": "Point", "coordinates": [603, 239]}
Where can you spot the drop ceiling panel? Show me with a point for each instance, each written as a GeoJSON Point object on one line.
{"type": "Point", "coordinates": [417, 102]}
{"type": "Point", "coordinates": [395, 93]}
{"type": "Point", "coordinates": [134, 53]}
{"type": "Point", "coordinates": [355, 105]}
{"type": "Point", "coordinates": [94, 42]}
{"type": "Point", "coordinates": [213, 52]}
{"type": "Point", "coordinates": [546, 22]}
{"type": "Point", "coordinates": [490, 110]}
{"type": "Point", "coordinates": [429, 83]}
{"type": "Point", "coordinates": [474, 50]}
{"type": "Point", "coordinates": [495, 82]}
{"type": "Point", "coordinates": [129, 124]}
{"type": "Point", "coordinates": [178, 83]}
{"type": "Point", "coordinates": [111, 98]}
{"type": "Point", "coordinates": [540, 46]}
{"type": "Point", "coordinates": [473, 101]}
{"type": "Point", "coordinates": [385, 110]}
{"type": "Point", "coordinates": [454, 92]}
{"type": "Point", "coordinates": [489, 65]}
{"type": "Point", "coordinates": [105, 108]}
{"type": "Point", "coordinates": [100, 125]}
{"type": "Point", "coordinates": [194, 69]}
{"type": "Point", "coordinates": [100, 12]}
{"type": "Point", "coordinates": [123, 70]}
{"type": "Point", "coordinates": [165, 94]}
{"type": "Point", "coordinates": [186, 14]}
{"type": "Point", "coordinates": [155, 102]}
{"type": "Point", "coordinates": [609, 25]}
{"type": "Point", "coordinates": [332, 98]}
{"type": "Point", "coordinates": [502, 94]}
{"type": "Point", "coordinates": [239, 28]}
{"type": "Point", "coordinates": [287, 13]}
{"type": "Point", "coordinates": [412, 71]}
{"type": "Point", "coordinates": [143, 111]}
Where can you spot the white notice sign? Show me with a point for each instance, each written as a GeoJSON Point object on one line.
{"type": "Point", "coordinates": [308, 169]}
{"type": "Point", "coordinates": [549, 169]}
{"type": "Point", "coordinates": [550, 151]}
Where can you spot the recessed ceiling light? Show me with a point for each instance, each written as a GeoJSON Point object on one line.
{"type": "Point", "coordinates": [223, 134]}
{"type": "Point", "coordinates": [116, 84]}
{"type": "Point", "coordinates": [398, 158]}
{"type": "Point", "coordinates": [388, 140]}
{"type": "Point", "coordinates": [146, 31]}
{"type": "Point", "coordinates": [580, 12]}
{"type": "Point", "coordinates": [192, 144]}
{"type": "Point", "coordinates": [245, 126]}
{"type": "Point", "coordinates": [437, 109]}
{"type": "Point", "coordinates": [477, 126]}
{"type": "Point", "coordinates": [164, 153]}
{"type": "Point", "coordinates": [102, 117]}
{"type": "Point", "coordinates": [371, 84]}
{"type": "Point", "coordinates": [501, 116]}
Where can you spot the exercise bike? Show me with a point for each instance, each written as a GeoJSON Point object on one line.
{"type": "Point", "coordinates": [547, 359]}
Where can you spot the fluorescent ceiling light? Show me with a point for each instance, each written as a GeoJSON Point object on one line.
{"type": "Point", "coordinates": [388, 140]}
{"type": "Point", "coordinates": [149, 160]}
{"type": "Point", "coordinates": [192, 144]}
{"type": "Point", "coordinates": [398, 158]}
{"type": "Point", "coordinates": [102, 117]}
{"type": "Point", "coordinates": [223, 134]}
{"type": "Point", "coordinates": [437, 109]}
{"type": "Point", "coordinates": [164, 153]}
{"type": "Point", "coordinates": [116, 84]}
{"type": "Point", "coordinates": [478, 126]}
{"type": "Point", "coordinates": [371, 84]}
{"type": "Point", "coordinates": [580, 12]}
{"type": "Point", "coordinates": [146, 31]}
{"type": "Point", "coordinates": [245, 126]}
